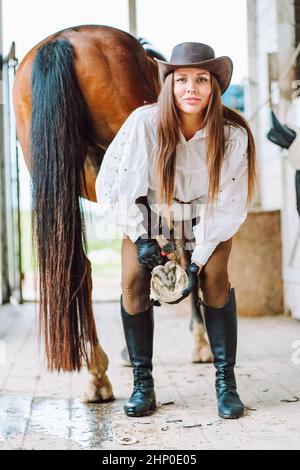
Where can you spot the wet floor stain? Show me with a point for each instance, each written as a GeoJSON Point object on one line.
{"type": "Point", "coordinates": [49, 423]}
{"type": "Point", "coordinates": [61, 423]}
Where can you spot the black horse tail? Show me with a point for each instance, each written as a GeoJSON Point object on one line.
{"type": "Point", "coordinates": [58, 149]}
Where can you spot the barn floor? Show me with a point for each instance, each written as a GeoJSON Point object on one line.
{"type": "Point", "coordinates": [39, 410]}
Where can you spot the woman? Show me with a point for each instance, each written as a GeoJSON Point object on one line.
{"type": "Point", "coordinates": [186, 151]}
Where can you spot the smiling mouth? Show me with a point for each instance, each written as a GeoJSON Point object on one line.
{"type": "Point", "coordinates": [192, 100]}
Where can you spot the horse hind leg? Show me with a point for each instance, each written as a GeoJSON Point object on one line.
{"type": "Point", "coordinates": [201, 352]}
{"type": "Point", "coordinates": [99, 388]}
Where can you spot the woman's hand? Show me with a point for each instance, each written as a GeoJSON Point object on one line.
{"type": "Point", "coordinates": [148, 253]}
{"type": "Point", "coordinates": [193, 270]}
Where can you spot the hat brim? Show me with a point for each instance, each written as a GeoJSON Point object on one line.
{"type": "Point", "coordinates": [221, 67]}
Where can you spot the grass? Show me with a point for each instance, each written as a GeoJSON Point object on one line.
{"type": "Point", "coordinates": [28, 265]}
{"type": "Point", "coordinates": [105, 270]}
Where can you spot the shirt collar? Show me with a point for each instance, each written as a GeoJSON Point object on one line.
{"type": "Point", "coordinates": [200, 134]}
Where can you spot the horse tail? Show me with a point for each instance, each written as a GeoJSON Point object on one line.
{"type": "Point", "coordinates": [58, 149]}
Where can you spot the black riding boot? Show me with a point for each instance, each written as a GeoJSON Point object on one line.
{"type": "Point", "coordinates": [221, 327]}
{"type": "Point", "coordinates": [138, 331]}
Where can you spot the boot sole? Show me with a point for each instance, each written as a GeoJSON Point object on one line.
{"type": "Point", "coordinates": [231, 417]}
{"type": "Point", "coordinates": [145, 413]}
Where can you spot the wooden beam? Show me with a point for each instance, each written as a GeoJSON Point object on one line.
{"type": "Point", "coordinates": [4, 283]}
{"type": "Point", "coordinates": [252, 91]}
{"type": "Point", "coordinates": [132, 17]}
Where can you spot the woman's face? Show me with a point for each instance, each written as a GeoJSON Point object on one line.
{"type": "Point", "coordinates": [192, 89]}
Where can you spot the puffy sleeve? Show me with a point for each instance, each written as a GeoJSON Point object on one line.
{"type": "Point", "coordinates": [123, 176]}
{"type": "Point", "coordinates": [229, 211]}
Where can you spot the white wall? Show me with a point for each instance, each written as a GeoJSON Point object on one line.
{"type": "Point", "coordinates": [274, 23]}
{"type": "Point", "coordinates": [269, 156]}
{"type": "Point", "coordinates": [289, 111]}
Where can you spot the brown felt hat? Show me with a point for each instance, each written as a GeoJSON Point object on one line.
{"type": "Point", "coordinates": [196, 54]}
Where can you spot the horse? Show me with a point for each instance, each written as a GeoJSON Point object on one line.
{"type": "Point", "coordinates": [72, 92]}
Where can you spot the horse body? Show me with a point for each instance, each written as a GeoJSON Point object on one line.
{"type": "Point", "coordinates": [72, 93]}
{"type": "Point", "coordinates": [115, 76]}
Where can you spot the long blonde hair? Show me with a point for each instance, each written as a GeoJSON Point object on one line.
{"type": "Point", "coordinates": [216, 116]}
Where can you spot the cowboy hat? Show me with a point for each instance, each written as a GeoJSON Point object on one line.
{"type": "Point", "coordinates": [195, 54]}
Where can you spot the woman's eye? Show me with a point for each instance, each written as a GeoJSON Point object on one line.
{"type": "Point", "coordinates": [200, 80]}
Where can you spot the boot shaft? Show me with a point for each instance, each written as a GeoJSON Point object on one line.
{"type": "Point", "coordinates": [221, 327]}
{"type": "Point", "coordinates": [138, 330]}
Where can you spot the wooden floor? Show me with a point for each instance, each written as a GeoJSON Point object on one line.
{"type": "Point", "coordinates": [43, 411]}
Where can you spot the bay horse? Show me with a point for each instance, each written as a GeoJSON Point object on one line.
{"type": "Point", "coordinates": [72, 92]}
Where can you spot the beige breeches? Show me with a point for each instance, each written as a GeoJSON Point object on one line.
{"type": "Point", "coordinates": [135, 283]}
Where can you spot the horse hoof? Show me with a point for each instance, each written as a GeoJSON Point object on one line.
{"type": "Point", "coordinates": [98, 391]}
{"type": "Point", "coordinates": [202, 352]}
{"type": "Point", "coordinates": [203, 355]}
{"type": "Point", "coordinates": [125, 357]}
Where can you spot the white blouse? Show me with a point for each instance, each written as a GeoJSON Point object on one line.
{"type": "Point", "coordinates": [128, 171]}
